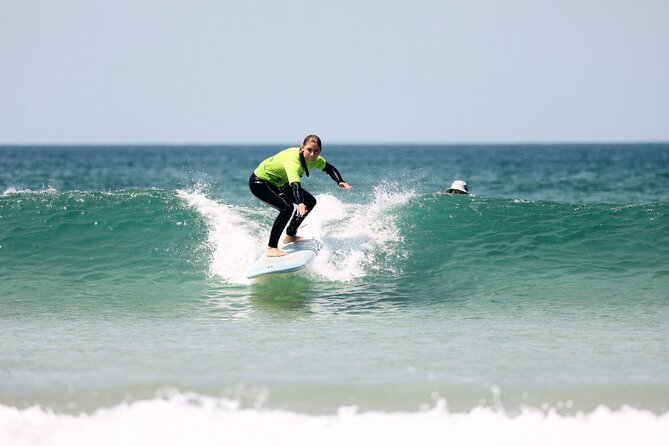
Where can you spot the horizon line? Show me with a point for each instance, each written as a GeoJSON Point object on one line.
{"type": "Point", "coordinates": [335, 143]}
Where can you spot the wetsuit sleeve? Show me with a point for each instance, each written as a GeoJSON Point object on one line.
{"type": "Point", "coordinates": [333, 172]}
{"type": "Point", "coordinates": [297, 192]}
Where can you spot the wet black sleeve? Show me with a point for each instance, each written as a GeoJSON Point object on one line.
{"type": "Point", "coordinates": [333, 172]}
{"type": "Point", "coordinates": [297, 192]}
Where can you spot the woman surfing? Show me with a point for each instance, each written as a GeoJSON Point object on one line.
{"type": "Point", "coordinates": [277, 182]}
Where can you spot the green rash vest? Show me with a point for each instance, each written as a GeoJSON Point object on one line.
{"type": "Point", "coordinates": [285, 167]}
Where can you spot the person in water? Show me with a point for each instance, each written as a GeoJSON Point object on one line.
{"type": "Point", "coordinates": [276, 181]}
{"type": "Point", "coordinates": [458, 187]}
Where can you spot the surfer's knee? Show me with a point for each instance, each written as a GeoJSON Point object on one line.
{"type": "Point", "coordinates": [286, 206]}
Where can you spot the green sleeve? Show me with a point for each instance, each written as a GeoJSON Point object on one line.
{"type": "Point", "coordinates": [320, 163]}
{"type": "Point", "coordinates": [293, 170]}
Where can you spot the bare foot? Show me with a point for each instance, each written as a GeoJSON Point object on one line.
{"type": "Point", "coordinates": [292, 238]}
{"type": "Point", "coordinates": [275, 252]}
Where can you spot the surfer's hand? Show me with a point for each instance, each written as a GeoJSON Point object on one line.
{"type": "Point", "coordinates": [345, 185]}
{"type": "Point", "coordinates": [301, 209]}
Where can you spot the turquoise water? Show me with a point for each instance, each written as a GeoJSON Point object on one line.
{"type": "Point", "coordinates": [123, 285]}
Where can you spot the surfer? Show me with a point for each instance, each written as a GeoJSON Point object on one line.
{"type": "Point", "coordinates": [276, 182]}
{"type": "Point", "coordinates": [458, 187]}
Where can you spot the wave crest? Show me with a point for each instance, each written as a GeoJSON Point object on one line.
{"type": "Point", "coordinates": [192, 419]}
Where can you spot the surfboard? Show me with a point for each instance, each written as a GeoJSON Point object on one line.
{"type": "Point", "coordinates": [300, 253]}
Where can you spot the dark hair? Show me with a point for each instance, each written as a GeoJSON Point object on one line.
{"type": "Point", "coordinates": [313, 138]}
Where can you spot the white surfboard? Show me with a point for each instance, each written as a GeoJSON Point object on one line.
{"type": "Point", "coordinates": [300, 253]}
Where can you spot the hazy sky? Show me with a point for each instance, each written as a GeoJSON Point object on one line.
{"type": "Point", "coordinates": [256, 71]}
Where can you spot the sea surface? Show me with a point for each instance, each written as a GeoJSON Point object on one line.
{"type": "Point", "coordinates": [533, 311]}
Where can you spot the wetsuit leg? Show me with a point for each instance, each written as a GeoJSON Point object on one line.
{"type": "Point", "coordinates": [295, 222]}
{"type": "Point", "coordinates": [270, 194]}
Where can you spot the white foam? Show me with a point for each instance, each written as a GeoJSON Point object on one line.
{"type": "Point", "coordinates": [192, 420]}
{"type": "Point", "coordinates": [351, 234]}
{"type": "Point", "coordinates": [230, 237]}
{"type": "Point", "coordinates": [14, 191]}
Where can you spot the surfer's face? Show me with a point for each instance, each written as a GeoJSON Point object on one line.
{"type": "Point", "coordinates": [311, 151]}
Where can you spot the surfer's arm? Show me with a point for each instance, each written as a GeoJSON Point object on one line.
{"type": "Point", "coordinates": [333, 172]}
{"type": "Point", "coordinates": [297, 192]}
{"type": "Point", "coordinates": [336, 176]}
{"type": "Point", "coordinates": [299, 197]}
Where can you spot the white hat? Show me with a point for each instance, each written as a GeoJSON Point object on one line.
{"type": "Point", "coordinates": [458, 185]}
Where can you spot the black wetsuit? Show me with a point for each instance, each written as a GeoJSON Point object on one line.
{"type": "Point", "coordinates": [283, 198]}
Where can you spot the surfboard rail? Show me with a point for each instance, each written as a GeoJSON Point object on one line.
{"type": "Point", "coordinates": [300, 253]}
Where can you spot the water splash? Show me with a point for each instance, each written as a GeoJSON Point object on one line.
{"type": "Point", "coordinates": [352, 234]}
{"type": "Point", "coordinates": [231, 237]}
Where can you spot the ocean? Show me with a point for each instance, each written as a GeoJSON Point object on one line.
{"type": "Point", "coordinates": [533, 311]}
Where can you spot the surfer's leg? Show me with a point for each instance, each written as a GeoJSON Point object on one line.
{"type": "Point", "coordinates": [271, 195]}
{"type": "Point", "coordinates": [297, 220]}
